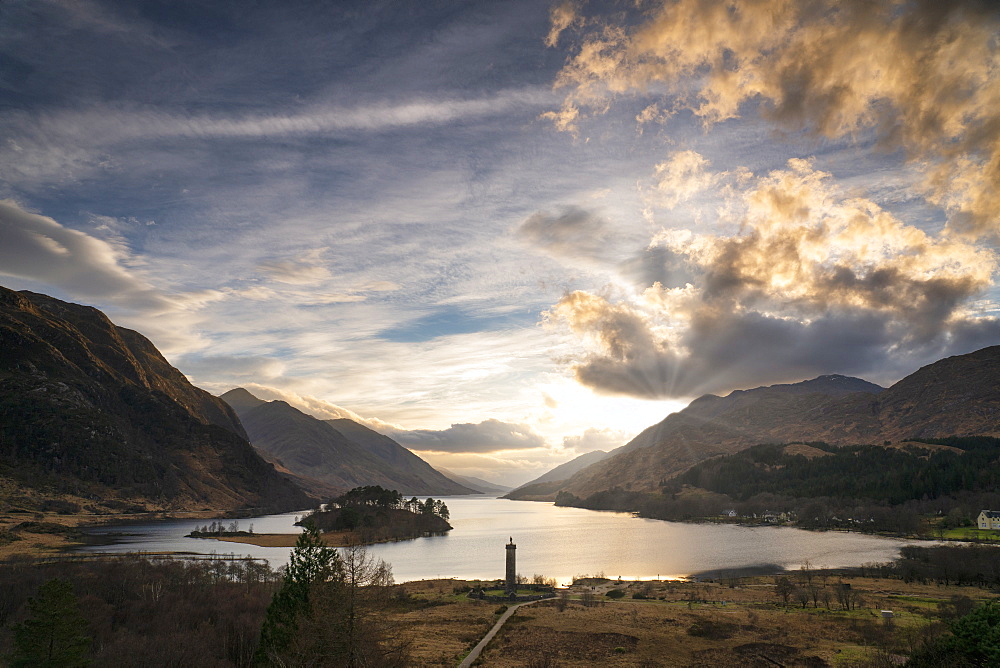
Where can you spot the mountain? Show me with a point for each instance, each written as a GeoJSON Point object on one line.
{"type": "Point", "coordinates": [475, 484]}
{"type": "Point", "coordinates": [340, 453]}
{"type": "Point", "coordinates": [240, 400]}
{"type": "Point", "coordinates": [551, 482]}
{"type": "Point", "coordinates": [93, 411]}
{"type": "Point", "coordinates": [957, 396]}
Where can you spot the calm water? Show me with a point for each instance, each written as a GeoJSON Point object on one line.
{"type": "Point", "coordinates": [555, 542]}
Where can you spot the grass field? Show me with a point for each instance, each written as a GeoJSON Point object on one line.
{"type": "Point", "coordinates": [969, 533]}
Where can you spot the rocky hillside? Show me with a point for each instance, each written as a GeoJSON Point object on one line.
{"type": "Point", "coordinates": [957, 396]}
{"type": "Point", "coordinates": [340, 453]}
{"type": "Point", "coordinates": [92, 410]}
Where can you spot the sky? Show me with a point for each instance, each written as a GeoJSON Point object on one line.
{"type": "Point", "coordinates": [509, 233]}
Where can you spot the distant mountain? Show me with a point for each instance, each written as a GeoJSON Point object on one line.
{"type": "Point", "coordinates": [957, 396]}
{"type": "Point", "coordinates": [475, 484]}
{"type": "Point", "coordinates": [241, 400]}
{"type": "Point", "coordinates": [340, 453]}
{"type": "Point", "coordinates": [549, 483]}
{"type": "Point", "coordinates": [92, 410]}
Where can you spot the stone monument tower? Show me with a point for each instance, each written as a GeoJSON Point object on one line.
{"type": "Point", "coordinates": [511, 567]}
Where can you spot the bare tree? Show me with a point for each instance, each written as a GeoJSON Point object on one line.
{"type": "Point", "coordinates": [783, 588]}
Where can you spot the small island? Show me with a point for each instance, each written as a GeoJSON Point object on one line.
{"type": "Point", "coordinates": [362, 516]}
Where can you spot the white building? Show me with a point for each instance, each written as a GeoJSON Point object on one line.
{"type": "Point", "coordinates": [989, 519]}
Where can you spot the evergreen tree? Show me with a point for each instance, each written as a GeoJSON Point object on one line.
{"type": "Point", "coordinates": [52, 636]}
{"type": "Point", "coordinates": [311, 562]}
{"type": "Point", "coordinates": [348, 626]}
{"type": "Point", "coordinates": [974, 642]}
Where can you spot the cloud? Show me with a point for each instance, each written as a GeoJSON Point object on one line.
{"type": "Point", "coordinates": [921, 76]}
{"type": "Point", "coordinates": [817, 282]}
{"type": "Point", "coordinates": [485, 437]}
{"type": "Point", "coordinates": [574, 234]}
{"type": "Point", "coordinates": [85, 15]}
{"type": "Point", "coordinates": [561, 17]}
{"type": "Point", "coordinates": [36, 248]}
{"type": "Point", "coordinates": [595, 439]}
{"type": "Point", "coordinates": [682, 176]}
{"type": "Point", "coordinates": [234, 367]}
{"type": "Point", "coordinates": [51, 144]}
{"type": "Point", "coordinates": [305, 269]}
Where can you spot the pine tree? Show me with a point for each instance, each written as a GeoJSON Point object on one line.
{"type": "Point", "coordinates": [52, 636]}
{"type": "Point", "coordinates": [311, 562]}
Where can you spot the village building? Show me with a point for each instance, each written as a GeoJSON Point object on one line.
{"type": "Point", "coordinates": [989, 519]}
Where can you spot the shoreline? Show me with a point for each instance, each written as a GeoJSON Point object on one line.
{"type": "Point", "coordinates": [49, 534]}
{"type": "Point", "coordinates": [743, 522]}
{"type": "Point", "coordinates": [331, 538]}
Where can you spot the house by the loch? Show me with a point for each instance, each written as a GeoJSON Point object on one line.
{"type": "Point", "coordinates": [989, 519]}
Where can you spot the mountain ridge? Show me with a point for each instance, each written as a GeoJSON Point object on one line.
{"type": "Point", "coordinates": [320, 449]}
{"type": "Point", "coordinates": [93, 410]}
{"type": "Point", "coordinates": [476, 484]}
{"type": "Point", "coordinates": [955, 396]}
{"type": "Point", "coordinates": [550, 481]}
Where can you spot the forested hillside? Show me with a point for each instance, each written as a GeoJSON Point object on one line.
{"type": "Point", "coordinates": [876, 473]}
{"type": "Point", "coordinates": [816, 485]}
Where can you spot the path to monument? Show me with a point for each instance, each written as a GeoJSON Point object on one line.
{"type": "Point", "coordinates": [474, 654]}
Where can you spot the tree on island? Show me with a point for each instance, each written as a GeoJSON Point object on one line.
{"type": "Point", "coordinates": [376, 514]}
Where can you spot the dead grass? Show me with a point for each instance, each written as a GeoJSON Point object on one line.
{"type": "Point", "coordinates": [683, 624]}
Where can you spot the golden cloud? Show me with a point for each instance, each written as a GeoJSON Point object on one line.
{"type": "Point", "coordinates": [923, 76]}
{"type": "Point", "coordinates": [817, 280]}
